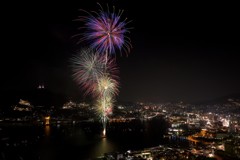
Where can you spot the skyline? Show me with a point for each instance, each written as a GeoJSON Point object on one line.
{"type": "Point", "coordinates": [179, 53]}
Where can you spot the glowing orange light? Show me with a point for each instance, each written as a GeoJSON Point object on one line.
{"type": "Point", "coordinates": [47, 120]}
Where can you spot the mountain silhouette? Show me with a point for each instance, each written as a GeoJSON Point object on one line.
{"type": "Point", "coordinates": [222, 99]}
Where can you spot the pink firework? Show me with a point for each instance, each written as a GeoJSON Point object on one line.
{"type": "Point", "coordinates": [90, 68]}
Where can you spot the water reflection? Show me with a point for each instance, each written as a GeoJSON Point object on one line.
{"type": "Point", "coordinates": [79, 141]}
{"type": "Point", "coordinates": [47, 130]}
{"type": "Point", "coordinates": [104, 145]}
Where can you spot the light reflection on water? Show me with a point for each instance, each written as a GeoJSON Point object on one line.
{"type": "Point", "coordinates": [102, 146]}
{"type": "Point", "coordinates": [76, 142]}
{"type": "Point", "coordinates": [47, 130]}
{"type": "Point", "coordinates": [57, 142]}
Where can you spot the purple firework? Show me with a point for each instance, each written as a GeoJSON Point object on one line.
{"type": "Point", "coordinates": [106, 32]}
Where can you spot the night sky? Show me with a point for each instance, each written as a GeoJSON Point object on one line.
{"type": "Point", "coordinates": [188, 52]}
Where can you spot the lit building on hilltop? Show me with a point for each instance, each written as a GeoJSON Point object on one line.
{"type": "Point", "coordinates": [23, 105]}
{"type": "Point", "coordinates": [69, 105]}
{"type": "Point", "coordinates": [23, 102]}
{"type": "Point", "coordinates": [41, 86]}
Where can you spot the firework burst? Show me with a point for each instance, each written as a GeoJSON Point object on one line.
{"type": "Point", "coordinates": [107, 86]}
{"type": "Point", "coordinates": [104, 108]}
{"type": "Point", "coordinates": [97, 72]}
{"type": "Point", "coordinates": [91, 72]}
{"type": "Point", "coordinates": [105, 31]}
{"type": "Point", "coordinates": [87, 67]}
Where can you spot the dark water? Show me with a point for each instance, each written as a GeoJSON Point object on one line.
{"type": "Point", "coordinates": [79, 141]}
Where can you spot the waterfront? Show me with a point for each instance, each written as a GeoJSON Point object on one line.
{"type": "Point", "coordinates": [79, 141]}
{"type": "Point", "coordinates": [175, 131]}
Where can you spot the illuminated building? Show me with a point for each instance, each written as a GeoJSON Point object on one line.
{"type": "Point", "coordinates": [225, 123]}
{"type": "Point", "coordinates": [41, 86]}
{"type": "Point", "coordinates": [23, 105]}
{"type": "Point", "coordinates": [69, 105]}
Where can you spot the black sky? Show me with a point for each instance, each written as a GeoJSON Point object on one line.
{"type": "Point", "coordinates": [186, 52]}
